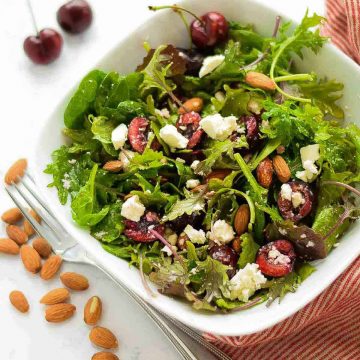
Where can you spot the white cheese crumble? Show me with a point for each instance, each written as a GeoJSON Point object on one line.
{"type": "Point", "coordinates": [125, 156]}
{"type": "Point", "coordinates": [195, 236]}
{"type": "Point", "coordinates": [194, 164]}
{"type": "Point", "coordinates": [167, 251]}
{"type": "Point", "coordinates": [72, 161]}
{"type": "Point", "coordinates": [282, 231]}
{"type": "Point", "coordinates": [218, 127]}
{"type": "Point", "coordinates": [310, 244]}
{"type": "Point", "coordinates": [133, 209]}
{"type": "Point", "coordinates": [119, 136]}
{"type": "Point", "coordinates": [246, 282]}
{"type": "Point", "coordinates": [221, 232]}
{"type": "Point", "coordinates": [66, 183]}
{"type": "Point", "coordinates": [277, 257]}
{"type": "Point", "coordinates": [210, 63]}
{"type": "Point", "coordinates": [309, 154]}
{"type": "Point", "coordinates": [286, 192]}
{"type": "Point", "coordinates": [192, 183]}
{"type": "Point", "coordinates": [180, 160]}
{"type": "Point", "coordinates": [163, 112]}
{"type": "Point", "coordinates": [302, 236]}
{"type": "Point", "coordinates": [173, 138]}
{"type": "Point", "coordinates": [297, 199]}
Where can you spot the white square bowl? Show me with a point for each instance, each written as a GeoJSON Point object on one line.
{"type": "Point", "coordinates": [166, 27]}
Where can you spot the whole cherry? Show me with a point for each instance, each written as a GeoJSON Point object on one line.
{"type": "Point", "coordinates": [75, 16]}
{"type": "Point", "coordinates": [44, 47]}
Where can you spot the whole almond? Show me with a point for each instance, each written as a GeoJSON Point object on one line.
{"type": "Point", "coordinates": [104, 355]}
{"type": "Point", "coordinates": [218, 174]}
{"type": "Point", "coordinates": [194, 104]}
{"type": "Point", "coordinates": [103, 337]}
{"type": "Point", "coordinates": [50, 267]}
{"type": "Point", "coordinates": [27, 226]}
{"type": "Point", "coordinates": [56, 296]}
{"type": "Point", "coordinates": [16, 171]}
{"type": "Point", "coordinates": [281, 168]}
{"type": "Point", "coordinates": [19, 301]}
{"type": "Point", "coordinates": [8, 246]}
{"type": "Point", "coordinates": [30, 258]}
{"type": "Point", "coordinates": [92, 310]}
{"type": "Point", "coordinates": [264, 173]}
{"type": "Point", "coordinates": [259, 80]}
{"type": "Point", "coordinates": [42, 246]}
{"type": "Point", "coordinates": [17, 234]}
{"type": "Point", "coordinates": [12, 216]}
{"type": "Point", "coordinates": [59, 312]}
{"type": "Point", "coordinates": [113, 166]}
{"type": "Point", "coordinates": [242, 218]}
{"type": "Point", "coordinates": [74, 281]}
{"type": "Point", "coordinates": [236, 245]}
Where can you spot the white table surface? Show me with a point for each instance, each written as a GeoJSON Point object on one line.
{"type": "Point", "coordinates": [28, 93]}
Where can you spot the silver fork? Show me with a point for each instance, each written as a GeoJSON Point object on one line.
{"type": "Point", "coordinates": [25, 194]}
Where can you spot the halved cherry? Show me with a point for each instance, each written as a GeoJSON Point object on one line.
{"type": "Point", "coordinates": [226, 255]}
{"type": "Point", "coordinates": [252, 129]}
{"type": "Point", "coordinates": [139, 128]}
{"type": "Point", "coordinates": [276, 258]}
{"type": "Point", "coordinates": [189, 126]}
{"type": "Point", "coordinates": [139, 230]}
{"type": "Point", "coordinates": [288, 211]}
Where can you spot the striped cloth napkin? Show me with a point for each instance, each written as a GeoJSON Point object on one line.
{"type": "Point", "coordinates": [329, 327]}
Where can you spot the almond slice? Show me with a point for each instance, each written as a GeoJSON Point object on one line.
{"type": "Point", "coordinates": [17, 234]}
{"type": "Point", "coordinates": [51, 267]}
{"type": "Point", "coordinates": [30, 258]}
{"type": "Point", "coordinates": [56, 296]}
{"type": "Point", "coordinates": [16, 171]}
{"type": "Point", "coordinates": [42, 246]}
{"type": "Point", "coordinates": [103, 337]}
{"type": "Point", "coordinates": [27, 225]}
{"type": "Point", "coordinates": [19, 301]}
{"type": "Point", "coordinates": [74, 281]}
{"type": "Point", "coordinates": [92, 310]}
{"type": "Point", "coordinates": [104, 355]}
{"type": "Point", "coordinates": [12, 216]}
{"type": "Point", "coordinates": [59, 312]}
{"type": "Point", "coordinates": [8, 246]}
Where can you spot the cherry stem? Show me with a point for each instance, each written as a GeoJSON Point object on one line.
{"type": "Point", "coordinates": [346, 186]}
{"type": "Point", "coordinates": [176, 9]}
{"type": "Point", "coordinates": [143, 279]}
{"type": "Point", "coordinates": [166, 243]}
{"type": "Point", "coordinates": [32, 17]}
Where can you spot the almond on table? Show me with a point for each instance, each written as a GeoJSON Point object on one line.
{"type": "Point", "coordinates": [42, 246]}
{"type": "Point", "coordinates": [104, 355]}
{"type": "Point", "coordinates": [8, 246]}
{"type": "Point", "coordinates": [27, 225]}
{"type": "Point", "coordinates": [93, 310]}
{"type": "Point", "coordinates": [103, 337]}
{"type": "Point", "coordinates": [55, 296]}
{"type": "Point", "coordinates": [59, 312]}
{"type": "Point", "coordinates": [12, 216]}
{"type": "Point", "coordinates": [16, 171]}
{"type": "Point", "coordinates": [74, 281]}
{"type": "Point", "coordinates": [17, 234]}
{"type": "Point", "coordinates": [19, 301]}
{"type": "Point", "coordinates": [50, 267]}
{"type": "Point", "coordinates": [30, 258]}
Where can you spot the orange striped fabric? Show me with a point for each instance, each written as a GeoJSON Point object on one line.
{"type": "Point", "coordinates": [326, 329]}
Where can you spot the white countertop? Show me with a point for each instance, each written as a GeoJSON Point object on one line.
{"type": "Point", "coordinates": [28, 93]}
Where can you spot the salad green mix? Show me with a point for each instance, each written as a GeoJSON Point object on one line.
{"type": "Point", "coordinates": [218, 170]}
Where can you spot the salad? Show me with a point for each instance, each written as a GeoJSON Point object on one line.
{"type": "Point", "coordinates": [218, 170]}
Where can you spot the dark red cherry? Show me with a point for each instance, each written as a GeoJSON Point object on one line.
{"type": "Point", "coordinates": [288, 211]}
{"type": "Point", "coordinates": [226, 255]}
{"type": "Point", "coordinates": [139, 230]}
{"type": "Point", "coordinates": [139, 128]}
{"type": "Point", "coordinates": [188, 125]}
{"type": "Point", "coordinates": [212, 29]}
{"type": "Point", "coordinates": [44, 47]}
{"type": "Point", "coordinates": [252, 130]}
{"type": "Point", "coordinates": [75, 16]}
{"type": "Point", "coordinates": [276, 258]}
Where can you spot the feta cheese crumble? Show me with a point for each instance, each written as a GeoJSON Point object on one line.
{"type": "Point", "coordinates": [286, 192]}
{"type": "Point", "coordinates": [309, 154]}
{"type": "Point", "coordinates": [194, 164]}
{"type": "Point", "coordinates": [218, 127]}
{"type": "Point", "coordinates": [125, 156]}
{"type": "Point", "coordinates": [297, 199]}
{"type": "Point", "coordinates": [195, 236]}
{"type": "Point", "coordinates": [277, 257]}
{"type": "Point", "coordinates": [221, 232]}
{"type": "Point", "coordinates": [119, 136]}
{"type": "Point", "coordinates": [173, 138]}
{"type": "Point", "coordinates": [72, 161]}
{"type": "Point", "coordinates": [133, 209]}
{"type": "Point", "coordinates": [246, 282]}
{"type": "Point", "coordinates": [210, 63]}
{"type": "Point", "coordinates": [310, 244]}
{"type": "Point", "coordinates": [192, 183]}
{"type": "Point", "coordinates": [167, 251]}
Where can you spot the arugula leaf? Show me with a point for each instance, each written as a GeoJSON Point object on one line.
{"type": "Point", "coordinates": [102, 128]}
{"type": "Point", "coordinates": [249, 249]}
{"type": "Point", "coordinates": [110, 82]}
{"type": "Point", "coordinates": [280, 286]}
{"type": "Point", "coordinates": [236, 305]}
{"type": "Point", "coordinates": [85, 209]}
{"type": "Point", "coordinates": [83, 99]}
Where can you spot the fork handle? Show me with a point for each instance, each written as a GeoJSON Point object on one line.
{"type": "Point", "coordinates": [180, 346]}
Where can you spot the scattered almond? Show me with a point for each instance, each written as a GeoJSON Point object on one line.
{"type": "Point", "coordinates": [104, 355]}
{"type": "Point", "coordinates": [17, 234]}
{"type": "Point", "coordinates": [16, 171]}
{"type": "Point", "coordinates": [8, 246]}
{"type": "Point", "coordinates": [259, 80]}
{"type": "Point", "coordinates": [30, 258]}
{"type": "Point", "coordinates": [281, 168]}
{"type": "Point", "coordinates": [42, 246]}
{"type": "Point", "coordinates": [12, 216]}
{"type": "Point", "coordinates": [51, 267]}
{"type": "Point", "coordinates": [27, 226]}
{"type": "Point", "coordinates": [242, 218]}
{"type": "Point", "coordinates": [103, 337]}
{"type": "Point", "coordinates": [59, 312]}
{"type": "Point", "coordinates": [19, 301]}
{"type": "Point", "coordinates": [194, 104]}
{"type": "Point", "coordinates": [55, 296]}
{"type": "Point", "coordinates": [74, 281]}
{"type": "Point", "coordinates": [236, 245]}
{"type": "Point", "coordinates": [264, 173]}
{"type": "Point", "coordinates": [92, 310]}
{"type": "Point", "coordinates": [113, 166]}
{"type": "Point", "coordinates": [218, 174]}
{"type": "Point", "coordinates": [199, 188]}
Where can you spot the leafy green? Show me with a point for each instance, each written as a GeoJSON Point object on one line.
{"type": "Point", "coordinates": [83, 99]}
{"type": "Point", "coordinates": [85, 209]}
{"type": "Point", "coordinates": [102, 128]}
{"type": "Point", "coordinates": [249, 249]}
